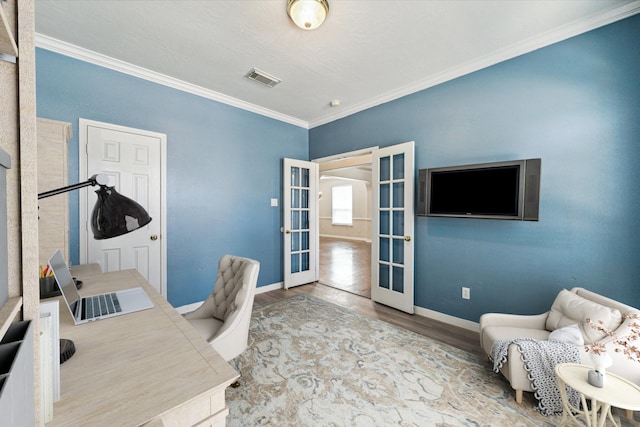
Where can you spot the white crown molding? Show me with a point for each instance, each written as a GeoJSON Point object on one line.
{"type": "Point", "coordinates": [534, 43]}
{"type": "Point", "coordinates": [529, 45]}
{"type": "Point", "coordinates": [73, 51]}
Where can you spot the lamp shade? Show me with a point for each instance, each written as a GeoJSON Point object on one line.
{"type": "Point", "coordinates": [115, 215]}
{"type": "Point", "coordinates": [308, 14]}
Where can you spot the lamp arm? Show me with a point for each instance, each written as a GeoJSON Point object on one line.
{"type": "Point", "coordinates": [98, 179]}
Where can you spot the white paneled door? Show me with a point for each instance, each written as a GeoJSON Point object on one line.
{"type": "Point", "coordinates": [300, 222]}
{"type": "Point", "coordinates": [133, 160]}
{"type": "Point", "coordinates": [392, 260]}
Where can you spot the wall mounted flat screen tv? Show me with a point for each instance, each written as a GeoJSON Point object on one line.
{"type": "Point", "coordinates": [499, 190]}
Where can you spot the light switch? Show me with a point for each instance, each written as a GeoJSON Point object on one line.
{"type": "Point", "coordinates": [274, 202]}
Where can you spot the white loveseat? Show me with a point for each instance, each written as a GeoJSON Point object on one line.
{"type": "Point", "coordinates": [569, 308]}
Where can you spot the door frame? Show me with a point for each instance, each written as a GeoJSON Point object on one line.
{"type": "Point", "coordinates": [346, 159]}
{"type": "Point", "coordinates": [83, 214]}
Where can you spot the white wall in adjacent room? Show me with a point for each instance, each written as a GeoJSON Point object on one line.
{"type": "Point", "coordinates": [361, 228]}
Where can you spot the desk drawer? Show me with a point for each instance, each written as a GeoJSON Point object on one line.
{"type": "Point", "coordinates": [206, 410]}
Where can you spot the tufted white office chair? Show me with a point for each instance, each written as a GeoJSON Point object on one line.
{"type": "Point", "coordinates": [223, 319]}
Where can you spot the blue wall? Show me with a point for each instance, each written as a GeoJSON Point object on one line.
{"type": "Point", "coordinates": [223, 167]}
{"type": "Point", "coordinates": [575, 104]}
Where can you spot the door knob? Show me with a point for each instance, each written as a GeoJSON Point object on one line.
{"type": "Point", "coordinates": [154, 237]}
{"type": "Point", "coordinates": [288, 232]}
{"type": "Point", "coordinates": [407, 238]}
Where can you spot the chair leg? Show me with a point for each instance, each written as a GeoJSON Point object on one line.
{"type": "Point", "coordinates": [519, 396]}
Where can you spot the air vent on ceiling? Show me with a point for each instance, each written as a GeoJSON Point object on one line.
{"type": "Point", "coordinates": [262, 77]}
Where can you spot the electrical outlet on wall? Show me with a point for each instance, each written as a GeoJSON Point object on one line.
{"type": "Point", "coordinates": [466, 293]}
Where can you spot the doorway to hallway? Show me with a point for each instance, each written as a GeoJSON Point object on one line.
{"type": "Point", "coordinates": [388, 177]}
{"type": "Point", "coordinates": [345, 264]}
{"type": "Point", "coordinates": [345, 245]}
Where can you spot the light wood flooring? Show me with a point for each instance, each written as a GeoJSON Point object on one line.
{"type": "Point", "coordinates": [463, 339]}
{"type": "Point", "coordinates": [346, 265]}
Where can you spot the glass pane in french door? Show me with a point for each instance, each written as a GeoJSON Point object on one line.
{"type": "Point", "coordinates": [300, 192]}
{"type": "Point", "coordinates": [391, 223]}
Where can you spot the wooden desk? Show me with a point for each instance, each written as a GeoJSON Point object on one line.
{"type": "Point", "coordinates": [145, 368]}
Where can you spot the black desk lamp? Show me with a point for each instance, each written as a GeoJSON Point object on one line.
{"type": "Point", "coordinates": [114, 214]}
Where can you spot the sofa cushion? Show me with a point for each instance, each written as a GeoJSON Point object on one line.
{"type": "Point", "coordinates": [570, 334]}
{"type": "Point", "coordinates": [569, 308]}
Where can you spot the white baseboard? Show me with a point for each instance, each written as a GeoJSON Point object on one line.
{"type": "Point", "coordinates": [445, 318]}
{"type": "Point", "coordinates": [188, 308]}
{"type": "Point", "coordinates": [262, 289]}
{"type": "Point", "coordinates": [271, 287]}
{"type": "Point", "coordinates": [420, 311]}
{"type": "Point", "coordinates": [336, 236]}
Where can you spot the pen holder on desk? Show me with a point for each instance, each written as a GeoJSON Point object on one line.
{"type": "Point", "coordinates": [47, 286]}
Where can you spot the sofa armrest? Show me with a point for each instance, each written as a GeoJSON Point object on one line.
{"type": "Point", "coordinates": [535, 321]}
{"type": "Point", "coordinates": [623, 331]}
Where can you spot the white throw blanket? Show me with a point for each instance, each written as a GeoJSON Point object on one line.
{"type": "Point", "coordinates": [540, 359]}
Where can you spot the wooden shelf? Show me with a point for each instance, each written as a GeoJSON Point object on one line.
{"type": "Point", "coordinates": [8, 44]}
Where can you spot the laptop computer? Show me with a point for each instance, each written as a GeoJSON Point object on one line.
{"type": "Point", "coordinates": [86, 309]}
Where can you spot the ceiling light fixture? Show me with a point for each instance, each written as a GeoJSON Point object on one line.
{"type": "Point", "coordinates": [307, 14]}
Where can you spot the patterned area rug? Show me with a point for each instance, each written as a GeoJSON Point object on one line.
{"type": "Point", "coordinates": [312, 363]}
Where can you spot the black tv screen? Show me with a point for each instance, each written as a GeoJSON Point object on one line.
{"type": "Point", "coordinates": [498, 190]}
{"type": "Point", "coordinates": [490, 191]}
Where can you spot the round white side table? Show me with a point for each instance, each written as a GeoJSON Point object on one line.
{"type": "Point", "coordinates": [617, 392]}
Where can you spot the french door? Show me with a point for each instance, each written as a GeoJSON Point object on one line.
{"type": "Point", "coordinates": [300, 222]}
{"type": "Point", "coordinates": [392, 260]}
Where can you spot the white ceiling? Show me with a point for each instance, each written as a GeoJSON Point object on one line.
{"type": "Point", "coordinates": [366, 52]}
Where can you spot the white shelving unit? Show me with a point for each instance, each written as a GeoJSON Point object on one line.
{"type": "Point", "coordinates": [8, 46]}
{"type": "Point", "coordinates": [19, 289]}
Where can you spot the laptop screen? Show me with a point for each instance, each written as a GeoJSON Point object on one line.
{"type": "Point", "coordinates": [65, 281]}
